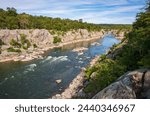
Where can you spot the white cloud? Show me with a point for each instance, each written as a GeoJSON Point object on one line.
{"type": "Point", "coordinates": [114, 11]}
{"type": "Point", "coordinates": [111, 20]}
{"type": "Point", "coordinates": [89, 10]}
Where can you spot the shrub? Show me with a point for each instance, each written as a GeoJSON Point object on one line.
{"type": "Point", "coordinates": [25, 47]}
{"type": "Point", "coordinates": [11, 49]}
{"type": "Point", "coordinates": [15, 43]}
{"type": "Point", "coordinates": [34, 45]}
{"type": "Point", "coordinates": [56, 39]}
{"type": "Point", "coordinates": [25, 42]}
{"type": "Point", "coordinates": [1, 43]}
{"type": "Point", "coordinates": [52, 32]}
{"type": "Point", "coordinates": [28, 44]}
{"type": "Point", "coordinates": [23, 39]}
{"type": "Point", "coordinates": [107, 72]}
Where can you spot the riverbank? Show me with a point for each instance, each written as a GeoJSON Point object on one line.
{"type": "Point", "coordinates": [32, 43]}
{"type": "Point", "coordinates": [38, 52]}
{"type": "Point", "coordinates": [75, 87]}
{"type": "Point", "coordinates": [39, 78]}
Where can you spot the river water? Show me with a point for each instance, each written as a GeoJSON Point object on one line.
{"type": "Point", "coordinates": [36, 79]}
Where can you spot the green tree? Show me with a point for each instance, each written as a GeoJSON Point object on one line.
{"type": "Point", "coordinates": [23, 20]}
{"type": "Point", "coordinates": [11, 11]}
{"type": "Point", "coordinates": [148, 6]}
{"type": "Point", "coordinates": [12, 20]}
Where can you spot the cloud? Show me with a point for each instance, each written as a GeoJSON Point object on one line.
{"type": "Point", "coordinates": [122, 11]}
{"type": "Point", "coordinates": [111, 20]}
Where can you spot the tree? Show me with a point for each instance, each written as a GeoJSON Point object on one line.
{"type": "Point", "coordinates": [11, 11]}
{"type": "Point", "coordinates": [23, 20]}
{"type": "Point", "coordinates": [12, 20]}
{"type": "Point", "coordinates": [137, 51]}
{"type": "Point", "coordinates": [148, 6]}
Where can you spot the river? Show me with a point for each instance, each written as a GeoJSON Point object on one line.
{"type": "Point", "coordinates": [36, 79]}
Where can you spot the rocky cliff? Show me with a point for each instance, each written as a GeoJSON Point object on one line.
{"type": "Point", "coordinates": [132, 85]}
{"type": "Point", "coordinates": [42, 37]}
{"type": "Point", "coordinates": [25, 45]}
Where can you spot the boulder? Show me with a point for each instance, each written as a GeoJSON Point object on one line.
{"type": "Point", "coordinates": [93, 75]}
{"type": "Point", "coordinates": [58, 81]}
{"type": "Point", "coordinates": [132, 85]}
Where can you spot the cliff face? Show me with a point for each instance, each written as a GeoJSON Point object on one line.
{"type": "Point", "coordinates": [42, 37]}
{"type": "Point", "coordinates": [132, 85]}
{"type": "Point", "coordinates": [36, 41]}
{"type": "Point", "coordinates": [35, 36]}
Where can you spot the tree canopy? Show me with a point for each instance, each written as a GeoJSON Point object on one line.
{"type": "Point", "coordinates": [10, 19]}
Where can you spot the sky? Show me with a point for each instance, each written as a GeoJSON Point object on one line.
{"type": "Point", "coordinates": [91, 11]}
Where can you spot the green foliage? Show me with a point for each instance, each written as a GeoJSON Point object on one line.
{"type": "Point", "coordinates": [34, 45]}
{"type": "Point", "coordinates": [22, 43]}
{"type": "Point", "coordinates": [106, 71]}
{"type": "Point", "coordinates": [56, 39]}
{"type": "Point", "coordinates": [28, 44]}
{"type": "Point", "coordinates": [137, 51]}
{"type": "Point", "coordinates": [11, 11]}
{"type": "Point", "coordinates": [1, 43]}
{"type": "Point", "coordinates": [135, 54]}
{"type": "Point", "coordinates": [107, 27]}
{"type": "Point", "coordinates": [25, 42]}
{"type": "Point", "coordinates": [25, 47]}
{"type": "Point", "coordinates": [145, 61]}
{"type": "Point", "coordinates": [12, 20]}
{"type": "Point", "coordinates": [52, 32]}
{"type": "Point", "coordinates": [23, 39]}
{"type": "Point", "coordinates": [148, 6]}
{"type": "Point", "coordinates": [11, 49]}
{"type": "Point", "coordinates": [14, 43]}
{"type": "Point", "coordinates": [89, 71]}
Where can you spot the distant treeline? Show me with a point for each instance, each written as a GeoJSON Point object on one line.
{"type": "Point", "coordinates": [10, 19]}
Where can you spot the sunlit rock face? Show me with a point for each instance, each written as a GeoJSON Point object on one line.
{"type": "Point", "coordinates": [132, 85]}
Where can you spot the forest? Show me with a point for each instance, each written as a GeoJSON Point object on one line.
{"type": "Point", "coordinates": [10, 19]}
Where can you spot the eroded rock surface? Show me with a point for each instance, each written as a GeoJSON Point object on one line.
{"type": "Point", "coordinates": [132, 85]}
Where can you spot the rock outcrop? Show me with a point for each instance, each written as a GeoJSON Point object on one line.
{"type": "Point", "coordinates": [41, 38]}
{"type": "Point", "coordinates": [132, 85]}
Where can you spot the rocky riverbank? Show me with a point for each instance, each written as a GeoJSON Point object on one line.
{"type": "Point", "coordinates": [37, 41]}
{"type": "Point", "coordinates": [131, 85]}
{"type": "Point", "coordinates": [40, 41]}
{"type": "Point", "coordinates": [36, 53]}
{"type": "Point", "coordinates": [75, 87]}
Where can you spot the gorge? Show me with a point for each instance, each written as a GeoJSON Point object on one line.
{"type": "Point", "coordinates": [36, 78]}
{"type": "Point", "coordinates": [44, 57]}
{"type": "Point", "coordinates": [43, 40]}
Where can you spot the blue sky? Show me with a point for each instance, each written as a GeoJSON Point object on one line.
{"type": "Point", "coordinates": [92, 11]}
